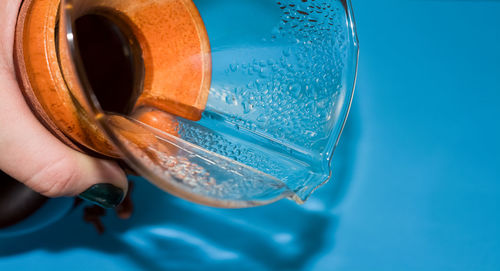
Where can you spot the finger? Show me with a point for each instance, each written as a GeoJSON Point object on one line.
{"type": "Point", "coordinates": [8, 15]}
{"type": "Point", "coordinates": [33, 156]}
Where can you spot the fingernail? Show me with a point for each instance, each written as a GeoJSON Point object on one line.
{"type": "Point", "coordinates": [105, 195]}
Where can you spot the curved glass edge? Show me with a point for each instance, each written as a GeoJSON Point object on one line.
{"type": "Point", "coordinates": [191, 172]}
{"type": "Point", "coordinates": [352, 69]}
{"type": "Point", "coordinates": [136, 155]}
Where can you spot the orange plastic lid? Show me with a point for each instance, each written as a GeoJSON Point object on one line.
{"type": "Point", "coordinates": [175, 53]}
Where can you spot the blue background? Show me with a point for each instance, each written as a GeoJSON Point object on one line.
{"type": "Point", "coordinates": [416, 182]}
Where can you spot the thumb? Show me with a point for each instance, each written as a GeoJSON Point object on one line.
{"type": "Point", "coordinates": [32, 155]}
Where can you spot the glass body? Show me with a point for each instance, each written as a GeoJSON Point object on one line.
{"type": "Point", "coordinates": [282, 77]}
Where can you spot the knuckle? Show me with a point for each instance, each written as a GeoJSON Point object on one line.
{"type": "Point", "coordinates": [56, 179]}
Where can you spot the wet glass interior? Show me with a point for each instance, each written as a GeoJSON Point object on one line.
{"type": "Point", "coordinates": [282, 78]}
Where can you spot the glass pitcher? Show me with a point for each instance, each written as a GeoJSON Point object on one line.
{"type": "Point", "coordinates": [224, 103]}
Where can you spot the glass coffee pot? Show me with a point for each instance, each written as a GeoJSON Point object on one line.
{"type": "Point", "coordinates": [224, 103]}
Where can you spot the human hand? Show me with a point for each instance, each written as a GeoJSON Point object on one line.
{"type": "Point", "coordinates": [31, 154]}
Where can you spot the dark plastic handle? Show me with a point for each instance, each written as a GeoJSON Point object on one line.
{"type": "Point", "coordinates": [17, 202]}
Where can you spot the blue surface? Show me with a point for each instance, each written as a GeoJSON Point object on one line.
{"type": "Point", "coordinates": [417, 179]}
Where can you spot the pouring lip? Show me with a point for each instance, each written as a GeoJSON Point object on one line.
{"type": "Point", "coordinates": [353, 35]}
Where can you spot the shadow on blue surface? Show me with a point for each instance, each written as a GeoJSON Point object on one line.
{"type": "Point", "coordinates": [169, 233]}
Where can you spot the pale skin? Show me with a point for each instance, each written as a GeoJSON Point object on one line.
{"type": "Point", "coordinates": [29, 152]}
